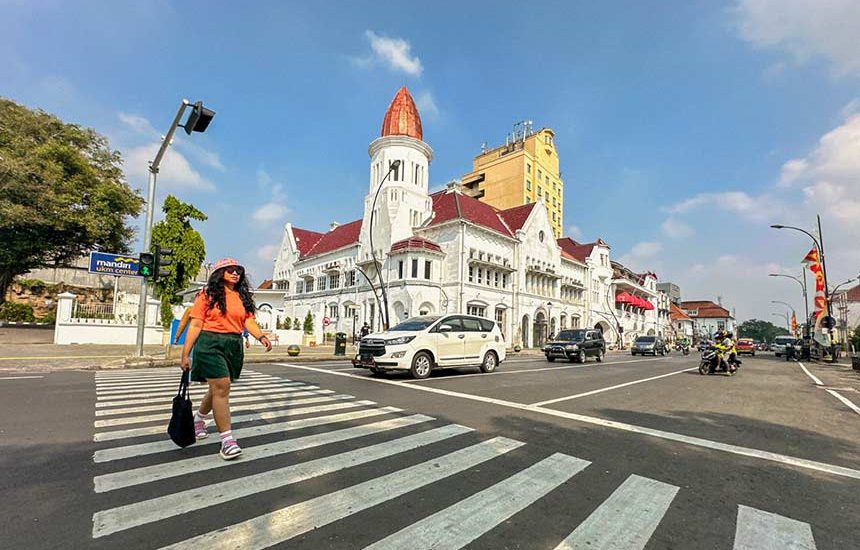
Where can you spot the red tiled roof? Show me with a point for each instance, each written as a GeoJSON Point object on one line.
{"type": "Point", "coordinates": [706, 309]}
{"type": "Point", "coordinates": [413, 243]}
{"type": "Point", "coordinates": [853, 294]}
{"type": "Point", "coordinates": [577, 250]}
{"type": "Point", "coordinates": [340, 236]}
{"type": "Point", "coordinates": [677, 314]}
{"type": "Point", "coordinates": [451, 205]}
{"type": "Point", "coordinates": [306, 240]}
{"type": "Point", "coordinates": [402, 118]}
{"type": "Point", "coordinates": [265, 285]}
{"type": "Point", "coordinates": [516, 217]}
{"type": "Point", "coordinates": [567, 256]}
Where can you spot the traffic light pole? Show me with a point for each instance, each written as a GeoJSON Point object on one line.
{"type": "Point", "coordinates": [150, 214]}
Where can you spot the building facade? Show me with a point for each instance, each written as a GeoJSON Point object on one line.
{"type": "Point", "coordinates": [419, 253]}
{"type": "Point", "coordinates": [522, 171]}
{"type": "Point", "coordinates": [708, 318]}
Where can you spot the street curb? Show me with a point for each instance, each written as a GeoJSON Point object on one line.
{"type": "Point", "coordinates": [154, 362]}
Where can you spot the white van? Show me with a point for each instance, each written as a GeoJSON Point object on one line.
{"type": "Point", "coordinates": [779, 343]}
{"type": "Point", "coordinates": [421, 344]}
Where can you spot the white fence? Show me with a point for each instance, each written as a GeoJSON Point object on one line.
{"type": "Point", "coordinates": [104, 324]}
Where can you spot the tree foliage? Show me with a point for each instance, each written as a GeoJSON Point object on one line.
{"type": "Point", "coordinates": [762, 331]}
{"type": "Point", "coordinates": [309, 323]}
{"type": "Point", "coordinates": [189, 250]}
{"type": "Point", "coordinates": [62, 193]}
{"type": "Point", "coordinates": [855, 339]}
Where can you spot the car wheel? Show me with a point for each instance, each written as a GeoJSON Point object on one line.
{"type": "Point", "coordinates": [550, 359]}
{"type": "Point", "coordinates": [580, 357]}
{"type": "Point", "coordinates": [662, 353]}
{"type": "Point", "coordinates": [490, 362]}
{"type": "Point", "coordinates": [422, 364]}
{"type": "Point", "coordinates": [599, 356]}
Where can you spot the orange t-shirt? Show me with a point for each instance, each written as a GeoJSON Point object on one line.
{"type": "Point", "coordinates": [214, 320]}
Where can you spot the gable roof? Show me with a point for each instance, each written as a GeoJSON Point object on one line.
{"type": "Point", "coordinates": [339, 237]}
{"type": "Point", "coordinates": [265, 285]}
{"type": "Point", "coordinates": [677, 314]}
{"type": "Point", "coordinates": [577, 250]}
{"type": "Point", "coordinates": [516, 217]}
{"type": "Point", "coordinates": [853, 294]}
{"type": "Point", "coordinates": [451, 205]}
{"type": "Point", "coordinates": [706, 309]}
{"type": "Point", "coordinates": [305, 240]}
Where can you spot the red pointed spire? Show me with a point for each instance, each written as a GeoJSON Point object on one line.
{"type": "Point", "coordinates": [402, 118]}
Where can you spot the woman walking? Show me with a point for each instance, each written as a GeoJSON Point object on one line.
{"type": "Point", "coordinates": [220, 314]}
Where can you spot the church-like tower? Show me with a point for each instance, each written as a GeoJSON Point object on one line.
{"type": "Point", "coordinates": [403, 202]}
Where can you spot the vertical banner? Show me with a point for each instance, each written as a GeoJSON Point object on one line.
{"type": "Point", "coordinates": [813, 263]}
{"type": "Point", "coordinates": [794, 325]}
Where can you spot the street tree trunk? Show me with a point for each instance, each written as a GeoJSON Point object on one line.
{"type": "Point", "coordinates": [6, 276]}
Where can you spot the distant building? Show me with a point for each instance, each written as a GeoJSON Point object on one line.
{"type": "Point", "coordinates": [846, 308]}
{"type": "Point", "coordinates": [708, 317]}
{"type": "Point", "coordinates": [671, 290]}
{"type": "Point", "coordinates": [524, 170]}
{"type": "Point", "coordinates": [682, 324]}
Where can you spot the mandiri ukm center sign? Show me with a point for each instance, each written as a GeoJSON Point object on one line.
{"type": "Point", "coordinates": [117, 265]}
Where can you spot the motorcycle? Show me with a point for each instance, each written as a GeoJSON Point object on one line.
{"type": "Point", "coordinates": [682, 348]}
{"type": "Point", "coordinates": [712, 362]}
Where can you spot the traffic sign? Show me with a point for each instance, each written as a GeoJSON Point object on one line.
{"type": "Point", "coordinates": [326, 321]}
{"type": "Point", "coordinates": [118, 265]}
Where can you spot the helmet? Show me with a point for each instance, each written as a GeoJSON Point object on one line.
{"type": "Point", "coordinates": [719, 335]}
{"type": "Point", "coordinates": [729, 334]}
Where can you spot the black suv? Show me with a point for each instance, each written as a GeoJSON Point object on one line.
{"type": "Point", "coordinates": [648, 344]}
{"type": "Point", "coordinates": [576, 345]}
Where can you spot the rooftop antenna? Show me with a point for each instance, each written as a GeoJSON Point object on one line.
{"type": "Point", "coordinates": [484, 147]}
{"type": "Point", "coordinates": [720, 300]}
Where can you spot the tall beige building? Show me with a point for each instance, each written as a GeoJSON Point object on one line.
{"type": "Point", "coordinates": [523, 170]}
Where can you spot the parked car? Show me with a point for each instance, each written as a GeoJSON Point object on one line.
{"type": "Point", "coordinates": [576, 345]}
{"type": "Point", "coordinates": [421, 344]}
{"type": "Point", "coordinates": [648, 345]}
{"type": "Point", "coordinates": [779, 344]}
{"type": "Point", "coordinates": [745, 345]}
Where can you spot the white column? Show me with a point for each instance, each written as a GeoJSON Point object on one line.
{"type": "Point", "coordinates": [64, 306]}
{"type": "Point", "coordinates": [152, 312]}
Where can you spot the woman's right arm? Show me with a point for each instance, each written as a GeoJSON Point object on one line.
{"type": "Point", "coordinates": [194, 329]}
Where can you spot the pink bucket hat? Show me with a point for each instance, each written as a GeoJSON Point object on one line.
{"type": "Point", "coordinates": [226, 262]}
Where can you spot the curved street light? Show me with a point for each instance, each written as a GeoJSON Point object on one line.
{"type": "Point", "coordinates": [386, 319]}
{"type": "Point", "coordinates": [784, 316]}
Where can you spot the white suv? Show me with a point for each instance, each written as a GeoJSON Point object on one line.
{"type": "Point", "coordinates": [422, 343]}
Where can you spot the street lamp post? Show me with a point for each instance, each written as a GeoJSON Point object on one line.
{"type": "Point", "coordinates": [198, 121]}
{"type": "Point", "coordinates": [789, 306]}
{"type": "Point", "coordinates": [802, 284]}
{"type": "Point", "coordinates": [391, 168]}
{"type": "Point", "coordinates": [784, 316]}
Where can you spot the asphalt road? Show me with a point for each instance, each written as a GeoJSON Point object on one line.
{"type": "Point", "coordinates": [630, 453]}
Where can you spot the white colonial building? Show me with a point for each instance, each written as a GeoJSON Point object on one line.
{"type": "Point", "coordinates": [446, 252]}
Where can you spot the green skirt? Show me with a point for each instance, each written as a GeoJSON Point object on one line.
{"type": "Point", "coordinates": [217, 355]}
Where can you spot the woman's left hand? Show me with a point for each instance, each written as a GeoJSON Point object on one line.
{"type": "Point", "coordinates": [265, 341]}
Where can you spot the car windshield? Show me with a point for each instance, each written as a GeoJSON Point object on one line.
{"type": "Point", "coordinates": [415, 323]}
{"type": "Point", "coordinates": [646, 339]}
{"type": "Point", "coordinates": [782, 340]}
{"type": "Point", "coordinates": [571, 335]}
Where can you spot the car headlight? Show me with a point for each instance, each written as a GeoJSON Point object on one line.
{"type": "Point", "coordinates": [571, 347]}
{"type": "Point", "coordinates": [399, 341]}
{"type": "Point", "coordinates": [398, 354]}
{"type": "Point", "coordinates": [547, 347]}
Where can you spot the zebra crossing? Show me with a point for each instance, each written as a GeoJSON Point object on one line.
{"type": "Point", "coordinates": [142, 479]}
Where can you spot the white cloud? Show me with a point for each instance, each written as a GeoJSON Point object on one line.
{"type": "Point", "coordinates": [175, 171]}
{"type": "Point", "coordinates": [427, 105]}
{"type": "Point", "coordinates": [137, 123]}
{"type": "Point", "coordinates": [752, 207]}
{"type": "Point", "coordinates": [574, 231]}
{"type": "Point", "coordinates": [805, 29]}
{"type": "Point", "coordinates": [275, 209]}
{"type": "Point", "coordinates": [644, 256]}
{"type": "Point", "coordinates": [267, 252]}
{"type": "Point", "coordinates": [676, 229]}
{"type": "Point", "coordinates": [142, 127]}
{"type": "Point", "coordinates": [269, 212]}
{"type": "Point", "coordinates": [395, 52]}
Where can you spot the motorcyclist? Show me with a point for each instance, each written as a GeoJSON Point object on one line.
{"type": "Point", "coordinates": [725, 343]}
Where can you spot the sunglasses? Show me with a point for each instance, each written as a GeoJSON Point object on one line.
{"type": "Point", "coordinates": [234, 270]}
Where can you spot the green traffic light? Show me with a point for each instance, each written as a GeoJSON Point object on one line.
{"type": "Point", "coordinates": [144, 270]}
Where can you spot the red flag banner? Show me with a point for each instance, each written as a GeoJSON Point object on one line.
{"type": "Point", "coordinates": [813, 263]}
{"type": "Point", "coordinates": [793, 324]}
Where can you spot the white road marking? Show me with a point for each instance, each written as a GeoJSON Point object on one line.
{"type": "Point", "coordinates": [156, 472]}
{"type": "Point", "coordinates": [615, 387]}
{"type": "Point", "coordinates": [165, 404]}
{"type": "Point", "coordinates": [140, 449]}
{"type": "Point", "coordinates": [238, 419]}
{"type": "Point", "coordinates": [172, 382]}
{"type": "Point", "coordinates": [845, 400]}
{"type": "Point", "coordinates": [19, 377]}
{"type": "Point", "coordinates": [127, 394]}
{"type": "Point", "coordinates": [689, 440]}
{"type": "Point", "coordinates": [167, 398]}
{"type": "Point", "coordinates": [465, 521]}
{"type": "Point", "coordinates": [760, 530]}
{"type": "Point", "coordinates": [627, 519]}
{"type": "Point", "coordinates": [148, 511]}
{"type": "Point", "coordinates": [281, 525]}
{"type": "Point", "coordinates": [809, 374]}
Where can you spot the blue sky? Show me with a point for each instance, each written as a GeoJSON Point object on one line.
{"type": "Point", "coordinates": [684, 128]}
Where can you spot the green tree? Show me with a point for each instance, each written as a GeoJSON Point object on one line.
{"type": "Point", "coordinates": [189, 250]}
{"type": "Point", "coordinates": [62, 193]}
{"type": "Point", "coordinates": [763, 331]}
{"type": "Point", "coordinates": [855, 339]}
{"type": "Point", "coordinates": [309, 323]}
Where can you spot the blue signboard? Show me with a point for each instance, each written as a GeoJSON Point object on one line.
{"type": "Point", "coordinates": [118, 265]}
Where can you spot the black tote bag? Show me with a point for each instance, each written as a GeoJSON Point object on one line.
{"type": "Point", "coordinates": [181, 427]}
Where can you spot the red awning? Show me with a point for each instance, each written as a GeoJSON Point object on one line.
{"type": "Point", "coordinates": [625, 298]}
{"type": "Point", "coordinates": [646, 304]}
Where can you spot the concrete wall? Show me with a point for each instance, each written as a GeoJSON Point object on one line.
{"type": "Point", "coordinates": [69, 330]}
